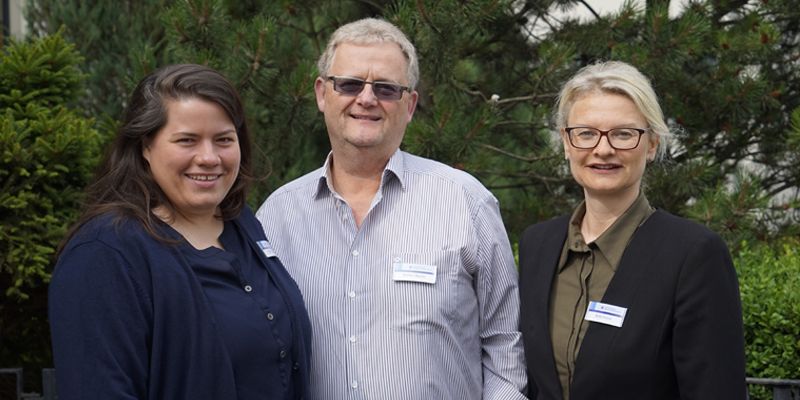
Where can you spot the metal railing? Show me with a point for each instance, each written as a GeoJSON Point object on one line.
{"type": "Point", "coordinates": [11, 387]}
{"type": "Point", "coordinates": [782, 389]}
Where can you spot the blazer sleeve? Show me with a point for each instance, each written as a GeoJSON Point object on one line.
{"type": "Point", "coordinates": [99, 319]}
{"type": "Point", "coordinates": [708, 342]}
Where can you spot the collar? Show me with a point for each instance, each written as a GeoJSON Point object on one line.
{"type": "Point", "coordinates": [396, 166]}
{"type": "Point", "coordinates": [615, 239]}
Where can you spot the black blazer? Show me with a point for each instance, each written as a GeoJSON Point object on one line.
{"type": "Point", "coordinates": [682, 336]}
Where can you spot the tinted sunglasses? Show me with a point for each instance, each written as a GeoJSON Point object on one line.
{"type": "Point", "coordinates": [354, 86]}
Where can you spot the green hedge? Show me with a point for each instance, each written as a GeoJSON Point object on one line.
{"type": "Point", "coordinates": [769, 278]}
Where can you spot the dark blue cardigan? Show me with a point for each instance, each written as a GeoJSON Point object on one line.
{"type": "Point", "coordinates": [129, 318]}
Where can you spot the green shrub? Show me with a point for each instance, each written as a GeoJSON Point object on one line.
{"type": "Point", "coordinates": [47, 154]}
{"type": "Point", "coordinates": [769, 278]}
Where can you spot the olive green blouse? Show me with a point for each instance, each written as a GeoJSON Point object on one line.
{"type": "Point", "coordinates": [584, 272]}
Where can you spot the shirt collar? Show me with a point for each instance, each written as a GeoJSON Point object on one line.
{"type": "Point", "coordinates": [396, 167]}
{"type": "Point", "coordinates": [614, 240]}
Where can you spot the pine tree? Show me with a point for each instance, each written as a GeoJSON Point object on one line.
{"type": "Point", "coordinates": [47, 153]}
{"type": "Point", "coordinates": [111, 35]}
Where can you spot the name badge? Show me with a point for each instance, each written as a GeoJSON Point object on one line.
{"type": "Point", "coordinates": [605, 313]}
{"type": "Point", "coordinates": [266, 248]}
{"type": "Point", "coordinates": [414, 272]}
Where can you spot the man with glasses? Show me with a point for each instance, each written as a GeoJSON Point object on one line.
{"type": "Point", "coordinates": [403, 262]}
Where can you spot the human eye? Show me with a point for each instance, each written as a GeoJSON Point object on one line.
{"type": "Point", "coordinates": [624, 133]}
{"type": "Point", "coordinates": [585, 133]}
{"type": "Point", "coordinates": [185, 140]}
{"type": "Point", "coordinates": [349, 85]}
{"type": "Point", "coordinates": [387, 89]}
{"type": "Point", "coordinates": [228, 138]}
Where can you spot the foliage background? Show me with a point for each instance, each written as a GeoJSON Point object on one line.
{"type": "Point", "coordinates": [726, 72]}
{"type": "Point", "coordinates": [47, 153]}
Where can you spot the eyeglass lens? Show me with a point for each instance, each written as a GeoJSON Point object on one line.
{"type": "Point", "coordinates": [353, 86]}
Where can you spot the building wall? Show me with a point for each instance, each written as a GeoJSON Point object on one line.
{"type": "Point", "coordinates": [17, 25]}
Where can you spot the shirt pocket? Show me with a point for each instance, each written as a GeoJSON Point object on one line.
{"type": "Point", "coordinates": [421, 307]}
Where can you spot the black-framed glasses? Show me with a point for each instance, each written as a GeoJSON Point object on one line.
{"type": "Point", "coordinates": [584, 137]}
{"type": "Point", "coordinates": [382, 90]}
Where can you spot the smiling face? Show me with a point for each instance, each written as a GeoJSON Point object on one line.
{"type": "Point", "coordinates": [363, 122]}
{"type": "Point", "coordinates": [194, 158]}
{"type": "Point", "coordinates": [604, 172]}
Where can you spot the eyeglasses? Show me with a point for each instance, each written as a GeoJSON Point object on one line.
{"type": "Point", "coordinates": [582, 137]}
{"type": "Point", "coordinates": [354, 86]}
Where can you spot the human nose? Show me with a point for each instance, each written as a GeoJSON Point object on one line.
{"type": "Point", "coordinates": [207, 154]}
{"type": "Point", "coordinates": [367, 96]}
{"type": "Point", "coordinates": [604, 145]}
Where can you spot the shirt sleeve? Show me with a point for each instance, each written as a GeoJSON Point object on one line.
{"type": "Point", "coordinates": [498, 299]}
{"type": "Point", "coordinates": [708, 339]}
{"type": "Point", "coordinates": [100, 325]}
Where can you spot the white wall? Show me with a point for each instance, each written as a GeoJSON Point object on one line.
{"type": "Point", "coordinates": [17, 26]}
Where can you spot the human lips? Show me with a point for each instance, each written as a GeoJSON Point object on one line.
{"type": "Point", "coordinates": [365, 117]}
{"type": "Point", "coordinates": [602, 167]}
{"type": "Point", "coordinates": [204, 177]}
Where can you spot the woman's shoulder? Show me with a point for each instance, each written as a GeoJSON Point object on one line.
{"type": "Point", "coordinates": [679, 226]}
{"type": "Point", "coordinates": [547, 227]}
{"type": "Point", "coordinates": [681, 233]}
{"type": "Point", "coordinates": [110, 228]}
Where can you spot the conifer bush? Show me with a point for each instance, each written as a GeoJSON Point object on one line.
{"type": "Point", "coordinates": [47, 153]}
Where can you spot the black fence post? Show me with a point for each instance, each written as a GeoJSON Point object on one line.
{"type": "Point", "coordinates": [10, 383]}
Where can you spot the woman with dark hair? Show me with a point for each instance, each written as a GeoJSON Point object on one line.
{"type": "Point", "coordinates": [619, 300]}
{"type": "Point", "coordinates": [166, 287]}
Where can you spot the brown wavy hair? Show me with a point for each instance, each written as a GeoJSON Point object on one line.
{"type": "Point", "coordinates": [124, 185]}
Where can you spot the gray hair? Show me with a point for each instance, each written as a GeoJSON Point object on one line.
{"type": "Point", "coordinates": [371, 31]}
{"type": "Point", "coordinates": [619, 78]}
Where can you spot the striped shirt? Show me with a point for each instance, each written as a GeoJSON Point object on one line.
{"type": "Point", "coordinates": [420, 302]}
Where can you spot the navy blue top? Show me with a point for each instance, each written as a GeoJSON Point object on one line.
{"type": "Point", "coordinates": [135, 318]}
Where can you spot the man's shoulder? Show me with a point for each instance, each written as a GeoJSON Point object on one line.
{"type": "Point", "coordinates": [448, 175]}
{"type": "Point", "coordinates": [304, 184]}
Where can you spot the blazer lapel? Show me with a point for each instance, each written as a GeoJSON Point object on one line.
{"type": "Point", "coordinates": [622, 291]}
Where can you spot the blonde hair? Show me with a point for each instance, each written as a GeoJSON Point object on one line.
{"type": "Point", "coordinates": [619, 78]}
{"type": "Point", "coordinates": [371, 31]}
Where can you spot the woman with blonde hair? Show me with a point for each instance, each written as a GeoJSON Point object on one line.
{"type": "Point", "coordinates": [619, 300]}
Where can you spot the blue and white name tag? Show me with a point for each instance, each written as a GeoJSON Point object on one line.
{"type": "Point", "coordinates": [266, 248]}
{"type": "Point", "coordinates": [605, 313]}
{"type": "Point", "coordinates": [413, 272]}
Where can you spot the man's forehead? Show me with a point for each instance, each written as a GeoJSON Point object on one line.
{"type": "Point", "coordinates": [382, 57]}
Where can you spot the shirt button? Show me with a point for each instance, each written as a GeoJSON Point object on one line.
{"type": "Point", "coordinates": [355, 253]}
{"type": "Point", "coordinates": [351, 294]}
{"type": "Point", "coordinates": [296, 366]}
{"type": "Point", "coordinates": [283, 353]}
{"type": "Point", "coordinates": [354, 384]}
{"type": "Point", "coordinates": [353, 339]}
{"type": "Point", "coordinates": [270, 316]}
{"type": "Point", "coordinates": [248, 288]}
